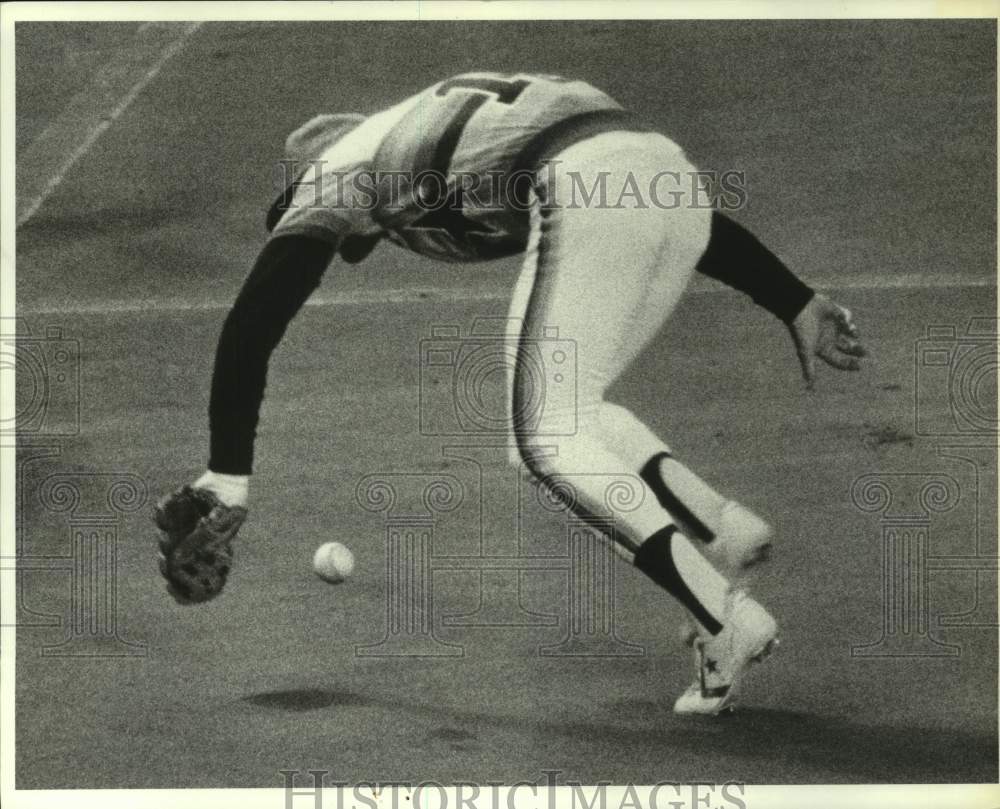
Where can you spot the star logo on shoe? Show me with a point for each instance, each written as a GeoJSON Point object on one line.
{"type": "Point", "coordinates": [711, 666]}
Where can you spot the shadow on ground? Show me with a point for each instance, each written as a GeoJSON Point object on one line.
{"type": "Point", "coordinates": [860, 752]}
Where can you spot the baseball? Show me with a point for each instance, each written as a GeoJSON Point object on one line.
{"type": "Point", "coordinates": [333, 562]}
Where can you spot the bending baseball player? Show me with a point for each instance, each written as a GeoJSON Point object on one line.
{"type": "Point", "coordinates": [486, 165]}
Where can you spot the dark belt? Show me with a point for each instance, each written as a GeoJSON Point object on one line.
{"type": "Point", "coordinates": [560, 136]}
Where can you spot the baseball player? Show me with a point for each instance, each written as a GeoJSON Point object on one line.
{"type": "Point", "coordinates": [485, 165]}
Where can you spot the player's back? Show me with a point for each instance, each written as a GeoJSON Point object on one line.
{"type": "Point", "coordinates": [448, 172]}
{"type": "Point", "coordinates": [481, 122]}
{"type": "Point", "coordinates": [451, 173]}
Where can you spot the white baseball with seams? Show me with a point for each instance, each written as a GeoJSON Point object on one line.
{"type": "Point", "coordinates": [333, 562]}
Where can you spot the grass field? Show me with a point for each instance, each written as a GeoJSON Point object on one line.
{"type": "Point", "coordinates": [870, 155]}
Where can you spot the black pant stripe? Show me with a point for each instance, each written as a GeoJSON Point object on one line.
{"type": "Point", "coordinates": [520, 407]}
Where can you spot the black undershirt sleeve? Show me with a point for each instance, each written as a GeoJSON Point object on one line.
{"type": "Point", "coordinates": [737, 258]}
{"type": "Point", "coordinates": [286, 272]}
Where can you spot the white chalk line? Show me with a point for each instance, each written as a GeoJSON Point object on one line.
{"type": "Point", "coordinates": [430, 295]}
{"type": "Point", "coordinates": [29, 207]}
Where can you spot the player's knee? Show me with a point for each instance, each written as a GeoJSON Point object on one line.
{"type": "Point", "coordinates": [630, 438]}
{"type": "Point", "coordinates": [539, 430]}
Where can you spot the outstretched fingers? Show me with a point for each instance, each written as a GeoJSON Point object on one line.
{"type": "Point", "coordinates": [839, 359]}
{"type": "Point", "coordinates": [850, 346]}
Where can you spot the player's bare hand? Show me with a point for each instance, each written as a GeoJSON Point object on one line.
{"type": "Point", "coordinates": [826, 330]}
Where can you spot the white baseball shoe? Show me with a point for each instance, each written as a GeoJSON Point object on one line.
{"type": "Point", "coordinates": [749, 635]}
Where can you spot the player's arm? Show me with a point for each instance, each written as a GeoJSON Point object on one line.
{"type": "Point", "coordinates": [819, 327]}
{"type": "Point", "coordinates": [286, 272]}
{"type": "Point", "coordinates": [198, 522]}
{"type": "Point", "coordinates": [307, 230]}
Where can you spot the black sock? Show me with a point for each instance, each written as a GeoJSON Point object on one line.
{"type": "Point", "coordinates": [650, 473]}
{"type": "Point", "coordinates": [655, 558]}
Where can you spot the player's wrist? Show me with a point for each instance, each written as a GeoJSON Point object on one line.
{"type": "Point", "coordinates": [791, 306]}
{"type": "Point", "coordinates": [232, 490]}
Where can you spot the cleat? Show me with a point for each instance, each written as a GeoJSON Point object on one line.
{"type": "Point", "coordinates": [749, 635]}
{"type": "Point", "coordinates": [742, 541]}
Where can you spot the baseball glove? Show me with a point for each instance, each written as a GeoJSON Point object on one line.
{"type": "Point", "coordinates": [195, 548]}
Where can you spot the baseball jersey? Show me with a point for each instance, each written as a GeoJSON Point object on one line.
{"type": "Point", "coordinates": [448, 172]}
